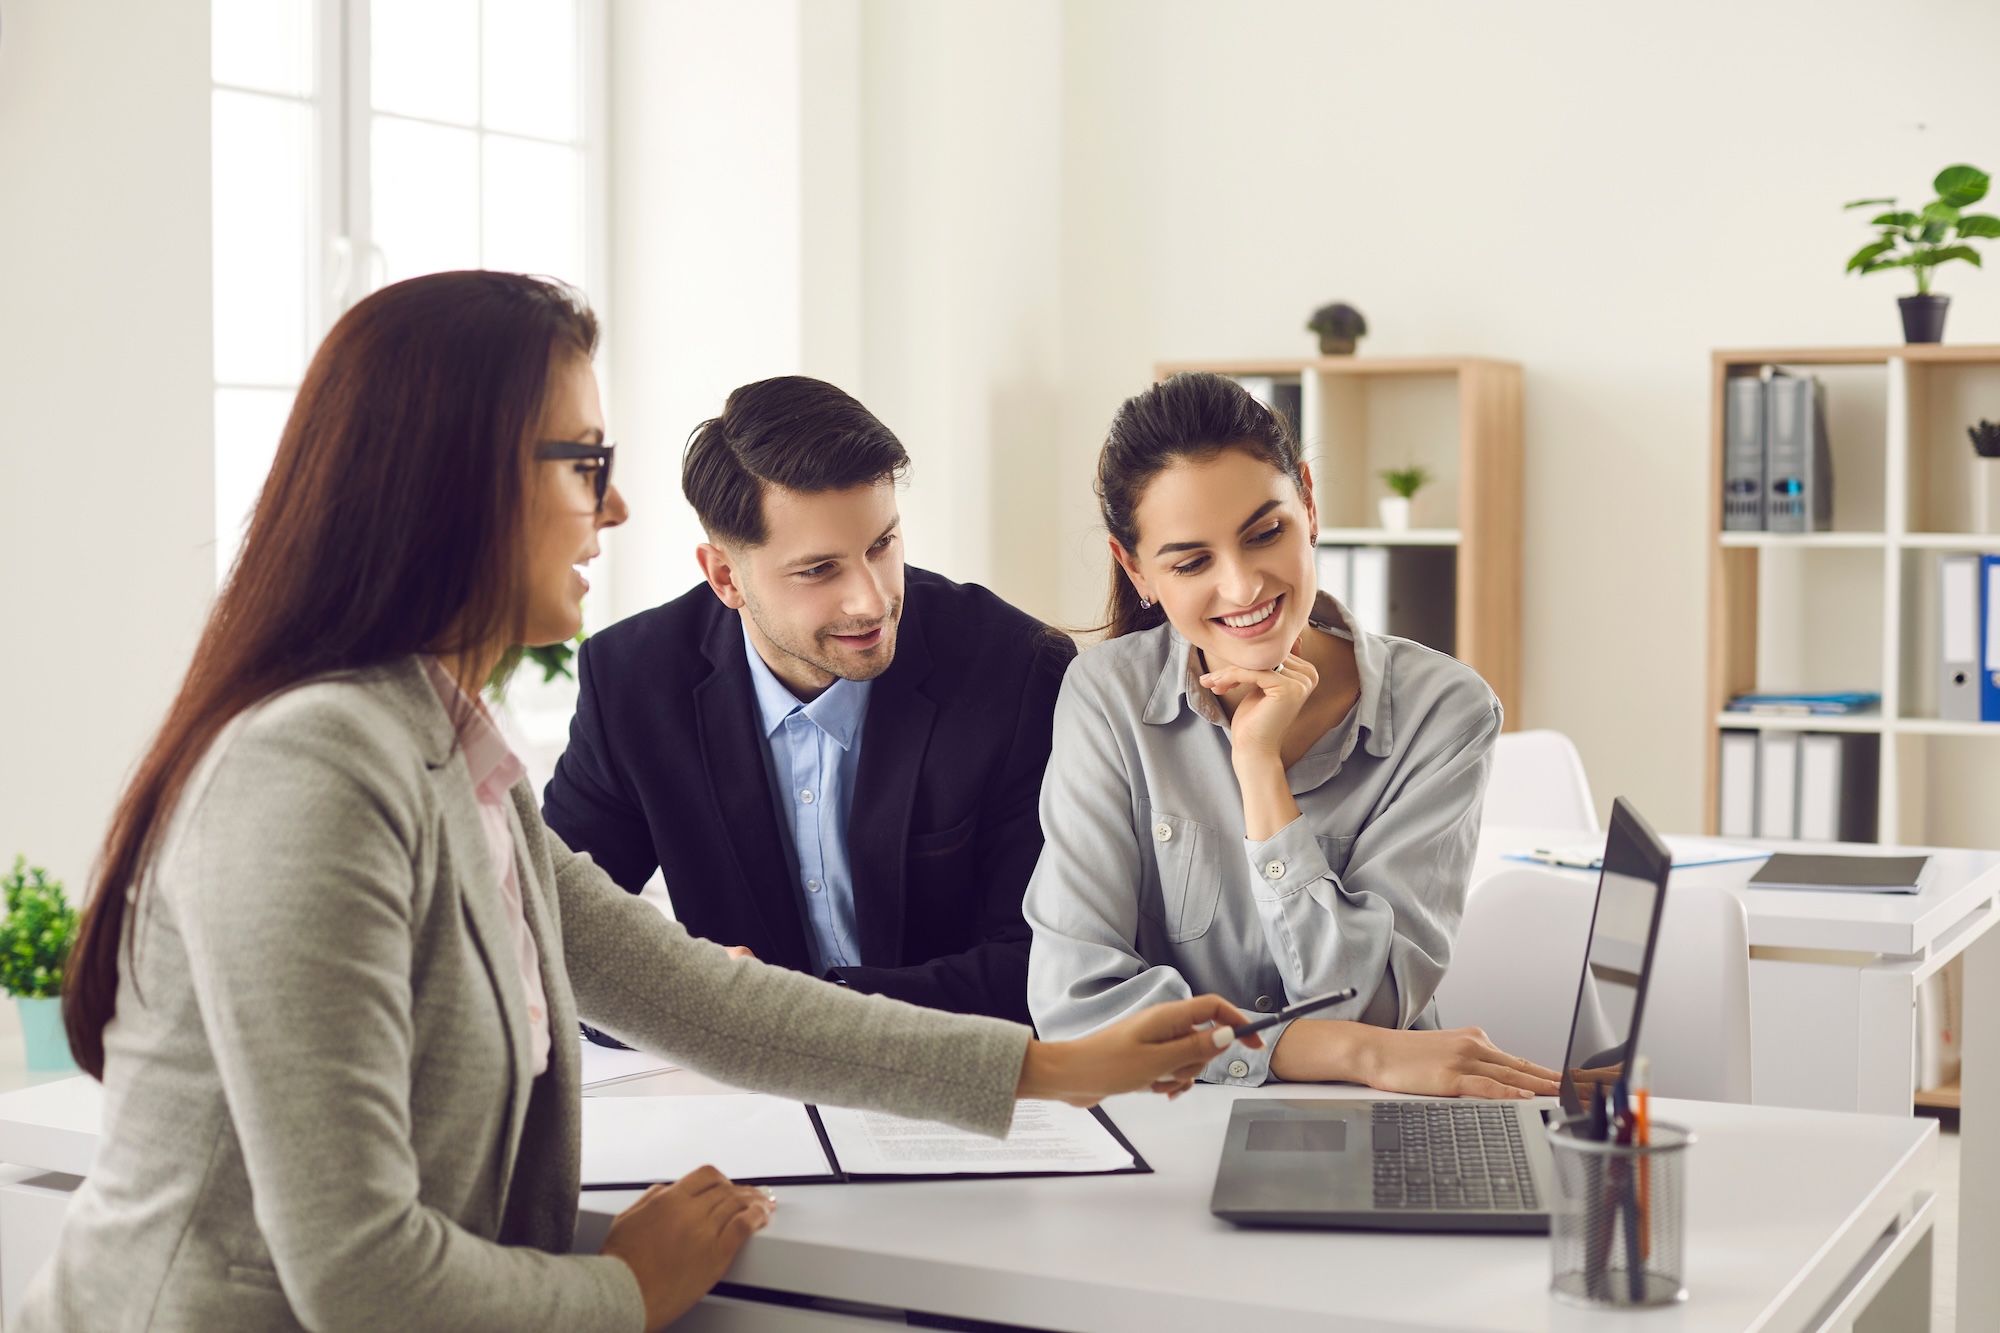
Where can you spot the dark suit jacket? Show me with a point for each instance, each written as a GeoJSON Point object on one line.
{"type": "Point", "coordinates": [667, 767]}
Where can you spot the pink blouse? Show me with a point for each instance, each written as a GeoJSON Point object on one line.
{"type": "Point", "coordinates": [494, 769]}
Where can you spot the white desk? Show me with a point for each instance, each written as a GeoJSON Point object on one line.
{"type": "Point", "coordinates": [1787, 1208]}
{"type": "Point", "coordinates": [1833, 976]}
{"type": "Point", "coordinates": [1798, 1220]}
{"type": "Point", "coordinates": [1833, 983]}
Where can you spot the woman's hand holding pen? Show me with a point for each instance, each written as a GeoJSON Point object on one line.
{"type": "Point", "coordinates": [1163, 1048]}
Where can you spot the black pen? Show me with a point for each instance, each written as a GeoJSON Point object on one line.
{"type": "Point", "coordinates": [1300, 1009]}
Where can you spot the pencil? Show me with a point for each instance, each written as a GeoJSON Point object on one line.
{"type": "Point", "coordinates": [1642, 1134]}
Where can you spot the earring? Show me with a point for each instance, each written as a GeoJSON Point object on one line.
{"type": "Point", "coordinates": [1145, 604]}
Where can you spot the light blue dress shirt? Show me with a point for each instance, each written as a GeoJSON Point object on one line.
{"type": "Point", "coordinates": [815, 753]}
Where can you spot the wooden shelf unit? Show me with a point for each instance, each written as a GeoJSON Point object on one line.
{"type": "Point", "coordinates": [1946, 1098]}
{"type": "Point", "coordinates": [1460, 417]}
{"type": "Point", "coordinates": [1856, 607]}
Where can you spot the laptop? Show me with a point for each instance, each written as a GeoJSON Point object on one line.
{"type": "Point", "coordinates": [1458, 1165]}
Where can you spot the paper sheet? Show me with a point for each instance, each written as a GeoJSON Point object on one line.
{"type": "Point", "coordinates": [602, 1064]}
{"type": "Point", "coordinates": [1047, 1136]}
{"type": "Point", "coordinates": [1686, 852]}
{"type": "Point", "coordinates": [745, 1135]}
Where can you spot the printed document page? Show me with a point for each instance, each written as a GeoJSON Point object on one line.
{"type": "Point", "coordinates": [603, 1064]}
{"type": "Point", "coordinates": [745, 1135]}
{"type": "Point", "coordinates": [1047, 1136]}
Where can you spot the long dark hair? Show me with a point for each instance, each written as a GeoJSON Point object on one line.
{"type": "Point", "coordinates": [1194, 416]}
{"type": "Point", "coordinates": [390, 524]}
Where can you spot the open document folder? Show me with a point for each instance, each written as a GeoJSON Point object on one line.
{"type": "Point", "coordinates": [633, 1142]}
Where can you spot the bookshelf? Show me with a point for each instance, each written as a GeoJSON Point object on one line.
{"type": "Point", "coordinates": [1460, 417]}
{"type": "Point", "coordinates": [1856, 607]}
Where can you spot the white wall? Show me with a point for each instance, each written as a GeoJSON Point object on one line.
{"type": "Point", "coordinates": [963, 273]}
{"type": "Point", "coordinates": [864, 192]}
{"type": "Point", "coordinates": [1601, 193]}
{"type": "Point", "coordinates": [705, 202]}
{"type": "Point", "coordinates": [106, 490]}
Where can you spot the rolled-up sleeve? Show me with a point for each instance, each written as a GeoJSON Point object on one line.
{"type": "Point", "coordinates": [1391, 916]}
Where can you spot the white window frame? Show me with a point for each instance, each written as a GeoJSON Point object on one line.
{"type": "Point", "coordinates": [344, 264]}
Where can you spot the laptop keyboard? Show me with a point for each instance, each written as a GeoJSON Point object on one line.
{"type": "Point", "coordinates": [1448, 1156]}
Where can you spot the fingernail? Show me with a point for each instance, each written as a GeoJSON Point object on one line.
{"type": "Point", "coordinates": [770, 1195]}
{"type": "Point", "coordinates": [1223, 1036]}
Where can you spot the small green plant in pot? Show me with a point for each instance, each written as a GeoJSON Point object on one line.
{"type": "Point", "coordinates": [1403, 484]}
{"type": "Point", "coordinates": [1938, 233]}
{"type": "Point", "coordinates": [35, 937]}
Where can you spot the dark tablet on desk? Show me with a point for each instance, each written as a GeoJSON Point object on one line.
{"type": "Point", "coordinates": [1842, 874]}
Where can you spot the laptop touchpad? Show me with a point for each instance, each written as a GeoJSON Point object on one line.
{"type": "Point", "coordinates": [1298, 1136]}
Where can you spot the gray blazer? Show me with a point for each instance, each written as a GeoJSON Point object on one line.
{"type": "Point", "coordinates": [318, 1111]}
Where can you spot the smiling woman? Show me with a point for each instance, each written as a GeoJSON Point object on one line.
{"type": "Point", "coordinates": [1248, 793]}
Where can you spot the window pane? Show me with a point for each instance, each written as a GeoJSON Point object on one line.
{"type": "Point", "coordinates": [262, 44]}
{"type": "Point", "coordinates": [425, 182]}
{"type": "Point", "coordinates": [534, 208]}
{"type": "Point", "coordinates": [263, 190]}
{"type": "Point", "coordinates": [248, 423]}
{"type": "Point", "coordinates": [425, 60]}
{"type": "Point", "coordinates": [530, 77]}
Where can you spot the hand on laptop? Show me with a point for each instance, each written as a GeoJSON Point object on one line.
{"type": "Point", "coordinates": [1163, 1048]}
{"type": "Point", "coordinates": [1460, 1062]}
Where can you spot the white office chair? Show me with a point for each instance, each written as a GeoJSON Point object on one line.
{"type": "Point", "coordinates": [1519, 953]}
{"type": "Point", "coordinates": [1538, 782]}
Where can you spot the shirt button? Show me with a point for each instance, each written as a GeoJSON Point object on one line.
{"type": "Point", "coordinates": [1164, 832]}
{"type": "Point", "coordinates": [1265, 1004]}
{"type": "Point", "coordinates": [806, 796]}
{"type": "Point", "coordinates": [812, 886]}
{"type": "Point", "coordinates": [1239, 1069]}
{"type": "Point", "coordinates": [1274, 870]}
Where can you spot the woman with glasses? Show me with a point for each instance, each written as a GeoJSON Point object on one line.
{"type": "Point", "coordinates": [333, 963]}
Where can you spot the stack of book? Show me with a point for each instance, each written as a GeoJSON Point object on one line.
{"type": "Point", "coordinates": [1827, 703]}
{"type": "Point", "coordinates": [1777, 469]}
{"type": "Point", "coordinates": [1814, 786]}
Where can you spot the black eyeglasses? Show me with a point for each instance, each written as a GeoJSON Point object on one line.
{"type": "Point", "coordinates": [597, 454]}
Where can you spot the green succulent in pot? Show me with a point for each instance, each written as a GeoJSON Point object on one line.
{"type": "Point", "coordinates": [1941, 232]}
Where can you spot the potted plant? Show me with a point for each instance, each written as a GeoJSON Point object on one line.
{"type": "Point", "coordinates": [1936, 234]}
{"type": "Point", "coordinates": [34, 942]}
{"type": "Point", "coordinates": [1339, 327]}
{"type": "Point", "coordinates": [1404, 482]}
{"type": "Point", "coordinates": [553, 658]}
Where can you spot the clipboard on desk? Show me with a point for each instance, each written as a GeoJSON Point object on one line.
{"type": "Point", "coordinates": [636, 1142]}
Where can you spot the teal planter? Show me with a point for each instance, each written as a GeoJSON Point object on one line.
{"type": "Point", "coordinates": [42, 1031]}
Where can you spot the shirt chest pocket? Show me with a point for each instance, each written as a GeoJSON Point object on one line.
{"type": "Point", "coordinates": [1187, 856]}
{"type": "Point", "coordinates": [1336, 851]}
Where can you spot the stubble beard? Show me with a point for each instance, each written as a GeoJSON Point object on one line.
{"type": "Point", "coordinates": [821, 653]}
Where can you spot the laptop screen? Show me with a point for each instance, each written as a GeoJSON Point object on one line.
{"type": "Point", "coordinates": [1611, 995]}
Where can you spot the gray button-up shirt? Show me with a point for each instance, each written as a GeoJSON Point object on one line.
{"type": "Point", "coordinates": [1148, 891]}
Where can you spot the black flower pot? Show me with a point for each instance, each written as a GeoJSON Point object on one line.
{"type": "Point", "coordinates": [1923, 318]}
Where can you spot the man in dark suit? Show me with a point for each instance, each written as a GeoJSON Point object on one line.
{"type": "Point", "coordinates": [834, 759]}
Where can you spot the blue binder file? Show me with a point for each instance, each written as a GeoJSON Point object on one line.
{"type": "Point", "coordinates": [1989, 639]}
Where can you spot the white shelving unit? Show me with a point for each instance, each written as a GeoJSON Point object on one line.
{"type": "Point", "coordinates": [1856, 607]}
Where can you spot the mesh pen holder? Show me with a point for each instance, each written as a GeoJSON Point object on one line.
{"type": "Point", "coordinates": [1619, 1219]}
